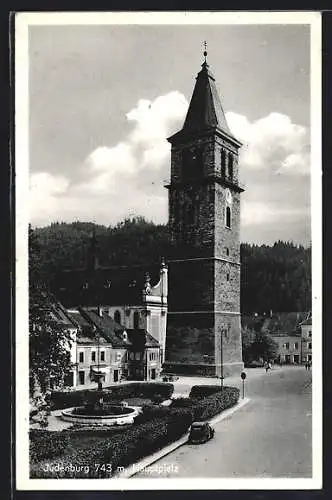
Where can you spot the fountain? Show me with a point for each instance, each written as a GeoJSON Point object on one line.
{"type": "Point", "coordinates": [99, 413]}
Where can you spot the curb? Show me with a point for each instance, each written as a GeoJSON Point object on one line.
{"type": "Point", "coordinates": [135, 468]}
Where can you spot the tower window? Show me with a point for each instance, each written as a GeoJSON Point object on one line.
{"type": "Point", "coordinates": [223, 163]}
{"type": "Point", "coordinates": [227, 276]}
{"type": "Point", "coordinates": [117, 316]}
{"type": "Point", "coordinates": [228, 217]}
{"type": "Point", "coordinates": [227, 251]}
{"type": "Point", "coordinates": [136, 319]}
{"type": "Point", "coordinates": [230, 166]}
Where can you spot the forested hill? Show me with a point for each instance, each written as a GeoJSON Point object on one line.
{"type": "Point", "coordinates": [274, 277]}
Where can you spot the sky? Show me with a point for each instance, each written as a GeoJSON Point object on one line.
{"type": "Point", "coordinates": [103, 100]}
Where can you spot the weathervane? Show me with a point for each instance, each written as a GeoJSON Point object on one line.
{"type": "Point", "coordinates": [205, 51]}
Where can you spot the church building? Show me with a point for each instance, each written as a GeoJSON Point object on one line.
{"type": "Point", "coordinates": [204, 323]}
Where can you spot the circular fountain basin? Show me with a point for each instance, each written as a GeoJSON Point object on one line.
{"type": "Point", "coordinates": [115, 415]}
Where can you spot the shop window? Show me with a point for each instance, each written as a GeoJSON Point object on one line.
{"type": "Point", "coordinates": [81, 377]}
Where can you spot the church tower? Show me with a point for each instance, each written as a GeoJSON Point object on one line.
{"type": "Point", "coordinates": [204, 327]}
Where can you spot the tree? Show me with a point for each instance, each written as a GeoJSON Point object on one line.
{"type": "Point", "coordinates": [248, 338]}
{"type": "Point", "coordinates": [49, 342]}
{"type": "Point", "coordinates": [264, 346]}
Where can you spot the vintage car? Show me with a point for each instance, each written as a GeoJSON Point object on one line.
{"type": "Point", "coordinates": [169, 377]}
{"type": "Point", "coordinates": [200, 432]}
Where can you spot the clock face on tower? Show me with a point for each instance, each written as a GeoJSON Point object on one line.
{"type": "Point", "coordinates": [228, 196]}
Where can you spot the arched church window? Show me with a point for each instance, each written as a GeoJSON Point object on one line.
{"type": "Point", "coordinates": [117, 316]}
{"type": "Point", "coordinates": [228, 217]}
{"type": "Point", "coordinates": [136, 319]}
{"type": "Point", "coordinates": [230, 166]}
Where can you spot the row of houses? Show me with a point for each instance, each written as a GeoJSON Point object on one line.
{"type": "Point", "coordinates": [102, 349]}
{"type": "Point", "coordinates": [124, 338]}
{"type": "Point", "coordinates": [292, 332]}
{"type": "Point", "coordinates": [297, 348]}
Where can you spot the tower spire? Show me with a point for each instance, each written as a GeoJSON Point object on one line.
{"type": "Point", "coordinates": [205, 51]}
{"type": "Point", "coordinates": [205, 110]}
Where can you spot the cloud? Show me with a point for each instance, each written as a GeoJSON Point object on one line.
{"type": "Point", "coordinates": [273, 143]}
{"type": "Point", "coordinates": [45, 190]}
{"type": "Point", "coordinates": [126, 178]}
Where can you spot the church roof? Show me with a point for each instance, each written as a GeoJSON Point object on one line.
{"type": "Point", "coordinates": [141, 337]}
{"type": "Point", "coordinates": [115, 285]}
{"type": "Point", "coordinates": [205, 109]}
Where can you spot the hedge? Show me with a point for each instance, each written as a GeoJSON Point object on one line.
{"type": "Point", "coordinates": [202, 391]}
{"type": "Point", "coordinates": [155, 412]}
{"type": "Point", "coordinates": [46, 444]}
{"type": "Point", "coordinates": [119, 451]}
{"type": "Point", "coordinates": [159, 390]}
{"type": "Point", "coordinates": [208, 407]}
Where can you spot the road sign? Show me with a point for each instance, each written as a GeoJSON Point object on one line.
{"type": "Point", "coordinates": [243, 376]}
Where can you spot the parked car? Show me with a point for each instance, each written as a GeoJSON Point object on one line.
{"type": "Point", "coordinates": [200, 432]}
{"type": "Point", "coordinates": [169, 377]}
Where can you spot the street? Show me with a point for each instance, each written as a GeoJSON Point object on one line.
{"type": "Point", "coordinates": [269, 437]}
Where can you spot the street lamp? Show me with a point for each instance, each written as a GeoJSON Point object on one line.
{"type": "Point", "coordinates": [221, 361]}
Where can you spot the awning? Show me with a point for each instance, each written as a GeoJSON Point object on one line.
{"type": "Point", "coordinates": [101, 370]}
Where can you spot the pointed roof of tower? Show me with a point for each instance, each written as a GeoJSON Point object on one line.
{"type": "Point", "coordinates": [205, 109]}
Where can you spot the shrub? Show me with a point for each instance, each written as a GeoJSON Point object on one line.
{"type": "Point", "coordinates": [154, 412]}
{"type": "Point", "coordinates": [202, 391]}
{"type": "Point", "coordinates": [208, 407]}
{"type": "Point", "coordinates": [46, 444]}
{"type": "Point", "coordinates": [216, 403]}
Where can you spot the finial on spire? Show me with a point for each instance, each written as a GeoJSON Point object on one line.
{"type": "Point", "coordinates": [205, 51]}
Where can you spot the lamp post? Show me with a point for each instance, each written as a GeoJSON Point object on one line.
{"type": "Point", "coordinates": [221, 362]}
{"type": "Point", "coordinates": [98, 375]}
